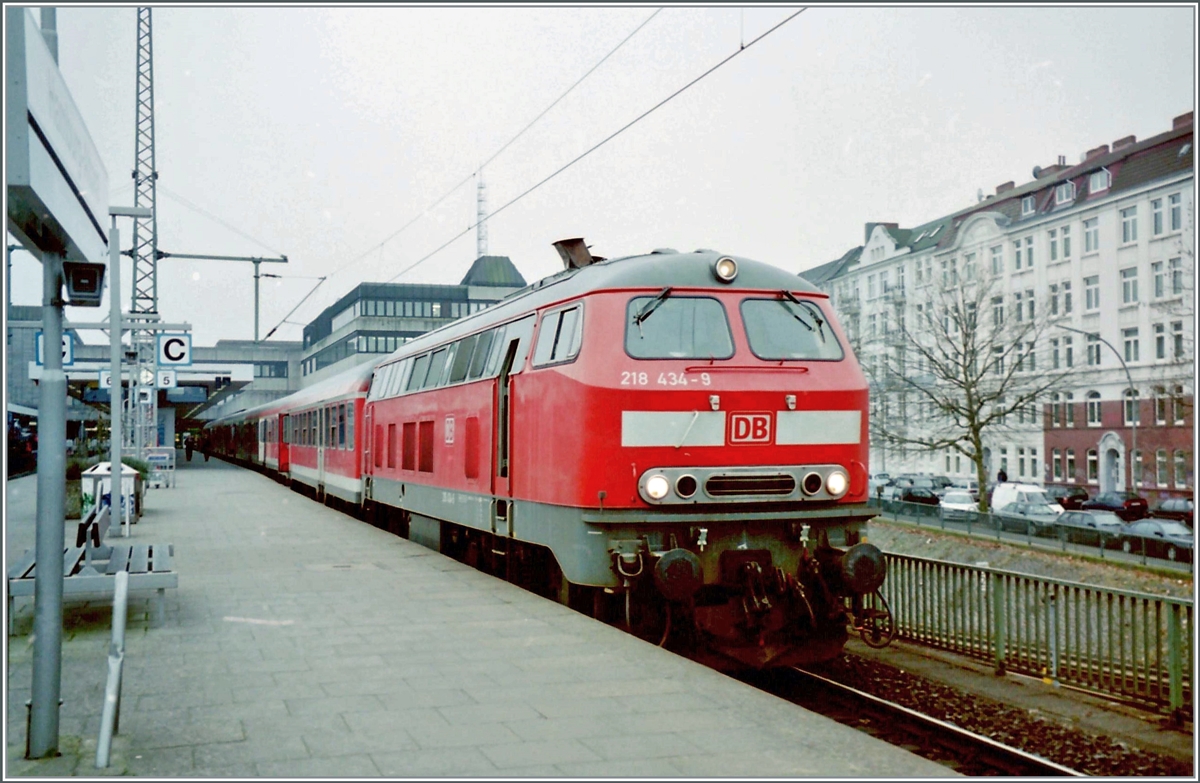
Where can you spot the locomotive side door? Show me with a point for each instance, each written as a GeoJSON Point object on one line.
{"type": "Point", "coordinates": [514, 349]}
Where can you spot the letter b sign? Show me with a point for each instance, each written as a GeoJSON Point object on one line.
{"type": "Point", "coordinates": [174, 349]}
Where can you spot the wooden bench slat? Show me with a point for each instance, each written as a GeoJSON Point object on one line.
{"type": "Point", "coordinates": [138, 559]}
{"type": "Point", "coordinates": [118, 559]}
{"type": "Point", "coordinates": [160, 557]}
{"type": "Point", "coordinates": [71, 559]}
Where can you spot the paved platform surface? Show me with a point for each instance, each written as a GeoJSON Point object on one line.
{"type": "Point", "coordinates": [304, 643]}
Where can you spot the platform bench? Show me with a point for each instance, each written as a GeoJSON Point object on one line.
{"type": "Point", "coordinates": [91, 567]}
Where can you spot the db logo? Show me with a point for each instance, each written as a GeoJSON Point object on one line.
{"type": "Point", "coordinates": [750, 428]}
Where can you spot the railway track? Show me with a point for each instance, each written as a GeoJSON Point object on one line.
{"type": "Point", "coordinates": [936, 740]}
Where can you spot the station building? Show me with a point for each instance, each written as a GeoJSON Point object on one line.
{"type": "Point", "coordinates": [1105, 247]}
{"type": "Point", "coordinates": [377, 318]}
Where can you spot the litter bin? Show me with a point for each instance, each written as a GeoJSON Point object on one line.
{"type": "Point", "coordinates": [96, 484]}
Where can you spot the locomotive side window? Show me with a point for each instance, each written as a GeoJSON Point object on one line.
{"type": "Point", "coordinates": [789, 329]}
{"type": "Point", "coordinates": [399, 377]}
{"type": "Point", "coordinates": [380, 446]}
{"type": "Point", "coordinates": [482, 347]}
{"type": "Point", "coordinates": [350, 426]}
{"type": "Point", "coordinates": [559, 337]}
{"type": "Point", "coordinates": [410, 446]}
{"type": "Point", "coordinates": [391, 446]}
{"type": "Point", "coordinates": [425, 438]}
{"type": "Point", "coordinates": [420, 369]}
{"type": "Point", "coordinates": [462, 358]}
{"type": "Point", "coordinates": [677, 327]}
{"type": "Point", "coordinates": [437, 363]}
{"type": "Point", "coordinates": [331, 420]}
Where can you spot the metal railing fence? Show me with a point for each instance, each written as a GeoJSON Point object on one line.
{"type": "Point", "coordinates": [1133, 646]}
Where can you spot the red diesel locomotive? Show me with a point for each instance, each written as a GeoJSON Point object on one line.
{"type": "Point", "coordinates": [675, 441]}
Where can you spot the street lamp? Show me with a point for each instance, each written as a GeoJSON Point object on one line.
{"type": "Point", "coordinates": [1132, 395]}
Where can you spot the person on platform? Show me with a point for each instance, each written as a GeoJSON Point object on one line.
{"type": "Point", "coordinates": [188, 446]}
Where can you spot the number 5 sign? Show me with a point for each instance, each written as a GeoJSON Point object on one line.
{"type": "Point", "coordinates": [175, 349]}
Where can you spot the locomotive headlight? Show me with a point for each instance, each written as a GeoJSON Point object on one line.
{"type": "Point", "coordinates": [657, 486]}
{"type": "Point", "coordinates": [836, 483]}
{"type": "Point", "coordinates": [725, 269]}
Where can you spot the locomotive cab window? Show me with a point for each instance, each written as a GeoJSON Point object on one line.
{"type": "Point", "coordinates": [677, 327]}
{"type": "Point", "coordinates": [559, 338]}
{"type": "Point", "coordinates": [420, 370]}
{"type": "Point", "coordinates": [789, 328]}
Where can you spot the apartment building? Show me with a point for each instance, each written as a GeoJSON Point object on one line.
{"type": "Point", "coordinates": [1102, 254]}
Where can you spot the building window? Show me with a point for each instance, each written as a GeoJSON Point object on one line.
{"type": "Point", "coordinates": [1029, 303]}
{"type": "Point", "coordinates": [1160, 280]}
{"type": "Point", "coordinates": [1098, 181]}
{"type": "Point", "coordinates": [1129, 225]}
{"type": "Point", "coordinates": [1156, 216]}
{"type": "Point", "coordinates": [1129, 285]}
{"type": "Point", "coordinates": [1093, 350]}
{"type": "Point", "coordinates": [1131, 407]}
{"type": "Point", "coordinates": [1029, 252]}
{"type": "Point", "coordinates": [1182, 479]}
{"type": "Point", "coordinates": [1091, 292]}
{"type": "Point", "coordinates": [1178, 404]}
{"type": "Point", "coordinates": [1091, 235]}
{"type": "Point", "coordinates": [1054, 299]}
{"type": "Point", "coordinates": [1064, 193]}
{"type": "Point", "coordinates": [1054, 356]}
{"type": "Point", "coordinates": [1058, 468]}
{"type": "Point", "coordinates": [1069, 351]}
{"type": "Point", "coordinates": [1069, 409]}
{"type": "Point", "coordinates": [1139, 475]}
{"type": "Point", "coordinates": [998, 361]}
{"type": "Point", "coordinates": [1160, 468]}
{"type": "Point", "coordinates": [1027, 206]}
{"type": "Point", "coordinates": [1021, 462]}
{"type": "Point", "coordinates": [1066, 241]}
{"type": "Point", "coordinates": [1071, 466]}
{"type": "Point", "coordinates": [1053, 245]}
{"type": "Point", "coordinates": [1093, 409]}
{"type": "Point", "coordinates": [1160, 405]}
{"type": "Point", "coordinates": [1066, 289]}
{"type": "Point", "coordinates": [1033, 464]}
{"type": "Point", "coordinates": [1175, 204]}
{"type": "Point", "coordinates": [1018, 311]}
{"type": "Point", "coordinates": [1175, 265]}
{"type": "Point", "coordinates": [1160, 341]}
{"type": "Point", "coordinates": [968, 268]}
{"type": "Point", "coordinates": [997, 259]}
{"type": "Point", "coordinates": [997, 311]}
{"type": "Point", "coordinates": [871, 325]}
{"type": "Point", "coordinates": [1130, 336]}
{"type": "Point", "coordinates": [1093, 466]}
{"type": "Point", "coordinates": [1177, 334]}
{"type": "Point", "coordinates": [870, 286]}
{"type": "Point", "coordinates": [1018, 254]}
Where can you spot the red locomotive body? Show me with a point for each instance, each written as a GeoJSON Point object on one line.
{"type": "Point", "coordinates": [676, 440]}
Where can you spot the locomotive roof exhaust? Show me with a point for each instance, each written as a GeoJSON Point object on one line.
{"type": "Point", "coordinates": [574, 253]}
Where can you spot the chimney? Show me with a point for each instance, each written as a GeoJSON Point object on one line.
{"type": "Point", "coordinates": [1181, 121]}
{"type": "Point", "coordinates": [1062, 161]}
{"type": "Point", "coordinates": [1006, 186]}
{"type": "Point", "coordinates": [1125, 142]}
{"type": "Point", "coordinates": [1092, 153]}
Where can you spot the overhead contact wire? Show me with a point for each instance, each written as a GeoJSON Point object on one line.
{"type": "Point", "coordinates": [598, 145]}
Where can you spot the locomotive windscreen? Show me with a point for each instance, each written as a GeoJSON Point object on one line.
{"type": "Point", "coordinates": [680, 327]}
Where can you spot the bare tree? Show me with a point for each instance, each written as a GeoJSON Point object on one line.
{"type": "Point", "coordinates": [971, 356]}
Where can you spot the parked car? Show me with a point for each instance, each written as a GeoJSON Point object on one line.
{"type": "Point", "coordinates": [1174, 508]}
{"type": "Point", "coordinates": [1011, 492]}
{"type": "Point", "coordinates": [1129, 506]}
{"type": "Point", "coordinates": [1018, 517]}
{"type": "Point", "coordinates": [1067, 497]}
{"type": "Point", "coordinates": [923, 495]}
{"type": "Point", "coordinates": [1167, 538]}
{"type": "Point", "coordinates": [957, 505]}
{"type": "Point", "coordinates": [968, 485]}
{"type": "Point", "coordinates": [1090, 527]}
{"type": "Point", "coordinates": [941, 484]}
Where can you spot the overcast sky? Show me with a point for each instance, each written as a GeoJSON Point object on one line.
{"type": "Point", "coordinates": [317, 133]}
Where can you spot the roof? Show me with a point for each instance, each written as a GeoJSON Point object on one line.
{"type": "Point", "coordinates": [1131, 166]}
{"type": "Point", "coordinates": [494, 271]}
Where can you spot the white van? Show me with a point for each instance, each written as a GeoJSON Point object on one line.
{"type": "Point", "coordinates": [1007, 493]}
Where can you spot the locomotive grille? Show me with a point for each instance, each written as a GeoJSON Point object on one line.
{"type": "Point", "coordinates": [771, 484]}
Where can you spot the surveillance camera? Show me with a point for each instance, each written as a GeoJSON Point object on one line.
{"type": "Point", "coordinates": [85, 283]}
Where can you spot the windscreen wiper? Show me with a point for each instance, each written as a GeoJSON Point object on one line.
{"type": "Point", "coordinates": [816, 314]}
{"type": "Point", "coordinates": [650, 307]}
{"type": "Point", "coordinates": [788, 295]}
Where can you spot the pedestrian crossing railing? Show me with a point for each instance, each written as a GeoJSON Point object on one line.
{"type": "Point", "coordinates": [1134, 647]}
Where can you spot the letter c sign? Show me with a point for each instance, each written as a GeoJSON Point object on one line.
{"type": "Point", "coordinates": [174, 349]}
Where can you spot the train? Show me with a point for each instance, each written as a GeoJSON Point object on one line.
{"type": "Point", "coordinates": [671, 442]}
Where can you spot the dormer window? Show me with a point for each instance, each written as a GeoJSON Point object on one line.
{"type": "Point", "coordinates": [1098, 181]}
{"type": "Point", "coordinates": [934, 233]}
{"type": "Point", "coordinates": [1064, 193]}
{"type": "Point", "coordinates": [1027, 206]}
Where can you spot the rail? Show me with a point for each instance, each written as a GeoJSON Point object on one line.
{"type": "Point", "coordinates": [1136, 647]}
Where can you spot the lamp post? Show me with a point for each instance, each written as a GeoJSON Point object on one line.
{"type": "Point", "coordinates": [1133, 420]}
{"type": "Point", "coordinates": [115, 405]}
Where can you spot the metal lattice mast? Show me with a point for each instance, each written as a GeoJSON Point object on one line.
{"type": "Point", "coordinates": [480, 218]}
{"type": "Point", "coordinates": [144, 305]}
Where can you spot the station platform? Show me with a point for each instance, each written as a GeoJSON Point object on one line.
{"type": "Point", "coordinates": [302, 642]}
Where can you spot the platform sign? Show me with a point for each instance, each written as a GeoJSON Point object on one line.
{"type": "Point", "coordinates": [106, 379]}
{"type": "Point", "coordinates": [68, 349]}
{"type": "Point", "coordinates": [166, 379]}
{"type": "Point", "coordinates": [174, 350]}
